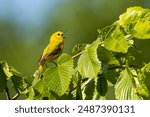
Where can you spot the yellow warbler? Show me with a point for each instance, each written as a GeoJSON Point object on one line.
{"type": "Point", "coordinates": [53, 50]}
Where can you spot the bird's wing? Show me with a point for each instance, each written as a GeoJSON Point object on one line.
{"type": "Point", "coordinates": [50, 52]}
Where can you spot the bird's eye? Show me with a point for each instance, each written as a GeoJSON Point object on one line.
{"type": "Point", "coordinates": [58, 34]}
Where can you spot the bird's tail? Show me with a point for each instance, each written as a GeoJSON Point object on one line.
{"type": "Point", "coordinates": [38, 73]}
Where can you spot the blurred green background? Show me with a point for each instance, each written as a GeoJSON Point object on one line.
{"type": "Point", "coordinates": [25, 26]}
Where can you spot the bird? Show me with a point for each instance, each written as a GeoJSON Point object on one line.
{"type": "Point", "coordinates": [52, 51]}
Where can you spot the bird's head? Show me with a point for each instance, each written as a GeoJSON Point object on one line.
{"type": "Point", "coordinates": [57, 36]}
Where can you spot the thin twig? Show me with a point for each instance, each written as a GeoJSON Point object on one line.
{"type": "Point", "coordinates": [15, 96]}
{"type": "Point", "coordinates": [7, 93]}
{"type": "Point", "coordinates": [78, 54]}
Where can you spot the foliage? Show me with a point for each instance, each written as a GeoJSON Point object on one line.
{"type": "Point", "coordinates": [93, 67]}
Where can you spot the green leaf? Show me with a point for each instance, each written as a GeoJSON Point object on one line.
{"type": "Point", "coordinates": [78, 89]}
{"type": "Point", "coordinates": [89, 90]}
{"type": "Point", "coordinates": [58, 77]}
{"type": "Point", "coordinates": [6, 69]}
{"type": "Point", "coordinates": [107, 57]}
{"type": "Point", "coordinates": [136, 21]}
{"type": "Point", "coordinates": [111, 75]}
{"type": "Point", "coordinates": [101, 85]}
{"type": "Point", "coordinates": [141, 29]}
{"type": "Point", "coordinates": [143, 88]}
{"type": "Point", "coordinates": [75, 78]}
{"type": "Point", "coordinates": [19, 83]}
{"type": "Point", "coordinates": [75, 86]}
{"type": "Point", "coordinates": [88, 63]}
{"type": "Point", "coordinates": [115, 40]}
{"type": "Point", "coordinates": [38, 91]}
{"type": "Point", "coordinates": [38, 84]}
{"type": "Point", "coordinates": [31, 93]}
{"type": "Point", "coordinates": [14, 71]}
{"type": "Point", "coordinates": [66, 96]}
{"type": "Point", "coordinates": [125, 88]}
{"type": "Point", "coordinates": [42, 89]}
{"type": "Point", "coordinates": [3, 79]}
{"type": "Point", "coordinates": [132, 14]}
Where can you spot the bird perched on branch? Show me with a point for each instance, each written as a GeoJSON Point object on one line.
{"type": "Point", "coordinates": [51, 52]}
